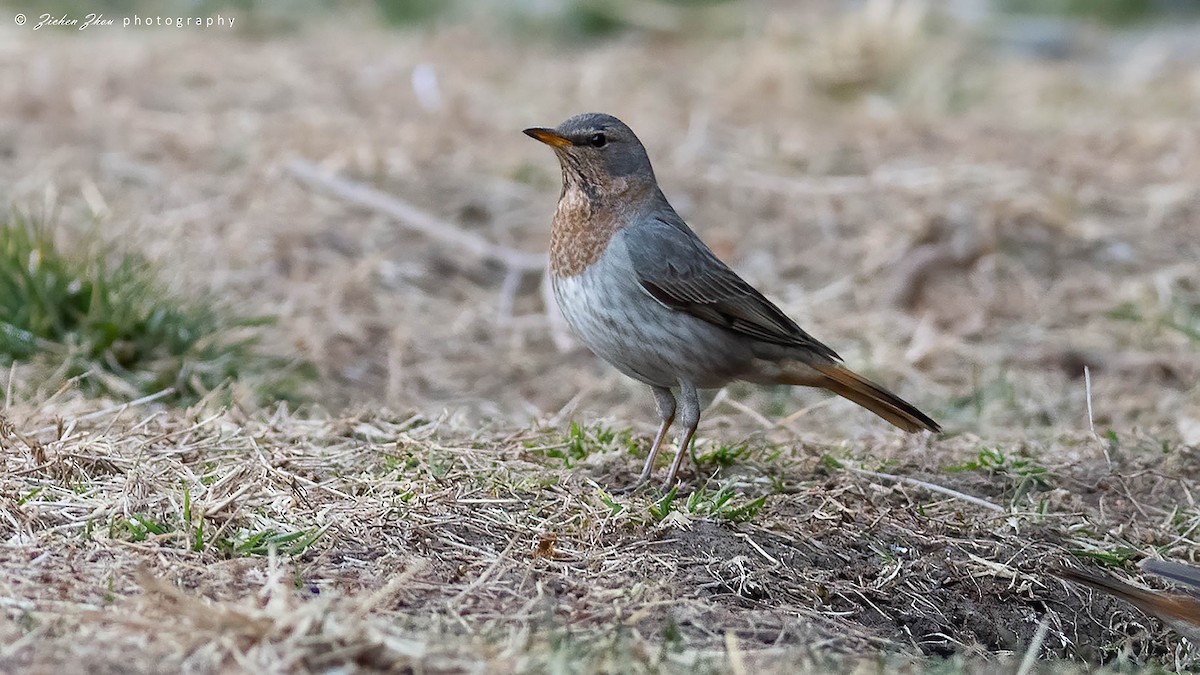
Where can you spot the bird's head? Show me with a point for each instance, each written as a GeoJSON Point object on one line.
{"type": "Point", "coordinates": [599, 154]}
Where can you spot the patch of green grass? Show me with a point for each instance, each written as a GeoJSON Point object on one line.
{"type": "Point", "coordinates": [568, 21]}
{"type": "Point", "coordinates": [1025, 473]}
{"type": "Point", "coordinates": [30, 495]}
{"type": "Point", "coordinates": [720, 504]}
{"type": "Point", "coordinates": [1112, 12]}
{"type": "Point", "coordinates": [197, 531]}
{"type": "Point", "coordinates": [583, 440]}
{"type": "Point", "coordinates": [831, 463]}
{"type": "Point", "coordinates": [260, 542]}
{"type": "Point", "coordinates": [722, 456]}
{"type": "Point", "coordinates": [186, 528]}
{"type": "Point", "coordinates": [401, 13]}
{"type": "Point", "coordinates": [614, 506]}
{"type": "Point", "coordinates": [994, 461]}
{"type": "Point", "coordinates": [672, 639]}
{"type": "Point", "coordinates": [1122, 557]}
{"type": "Point", "coordinates": [99, 313]}
{"type": "Point", "coordinates": [662, 508]}
{"type": "Point", "coordinates": [1182, 317]}
{"type": "Point", "coordinates": [438, 464]}
{"type": "Point", "coordinates": [137, 527]}
{"type": "Point", "coordinates": [209, 476]}
{"type": "Point", "coordinates": [400, 463]}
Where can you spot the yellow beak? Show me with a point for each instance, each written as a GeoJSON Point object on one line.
{"type": "Point", "coordinates": [548, 136]}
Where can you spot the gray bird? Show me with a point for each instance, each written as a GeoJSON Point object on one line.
{"type": "Point", "coordinates": [644, 293]}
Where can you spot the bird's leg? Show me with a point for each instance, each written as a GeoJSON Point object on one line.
{"type": "Point", "coordinates": [689, 417]}
{"type": "Point", "coordinates": [664, 401]}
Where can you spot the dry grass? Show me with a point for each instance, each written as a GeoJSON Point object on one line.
{"type": "Point", "coordinates": [972, 229]}
{"type": "Point", "coordinates": [446, 551]}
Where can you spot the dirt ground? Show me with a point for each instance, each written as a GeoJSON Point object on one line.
{"type": "Point", "coordinates": [966, 222]}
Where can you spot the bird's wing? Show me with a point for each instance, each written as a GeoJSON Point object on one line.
{"type": "Point", "coordinates": [1189, 575]}
{"type": "Point", "coordinates": [679, 271]}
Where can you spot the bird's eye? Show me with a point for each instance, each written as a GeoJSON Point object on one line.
{"type": "Point", "coordinates": [598, 140]}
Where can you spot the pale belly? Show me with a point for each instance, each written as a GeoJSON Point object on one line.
{"type": "Point", "coordinates": [642, 338]}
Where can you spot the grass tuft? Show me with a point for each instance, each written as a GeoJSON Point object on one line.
{"type": "Point", "coordinates": [92, 314]}
{"type": "Point", "coordinates": [717, 505]}
{"type": "Point", "coordinates": [1111, 12]}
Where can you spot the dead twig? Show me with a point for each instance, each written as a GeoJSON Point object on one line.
{"type": "Point", "coordinates": [517, 263]}
{"type": "Point", "coordinates": [414, 218]}
{"type": "Point", "coordinates": [929, 486]}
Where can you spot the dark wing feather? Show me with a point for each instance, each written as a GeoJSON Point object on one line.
{"type": "Point", "coordinates": [1188, 575]}
{"type": "Point", "coordinates": [678, 270]}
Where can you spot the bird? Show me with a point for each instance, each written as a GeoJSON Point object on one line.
{"type": "Point", "coordinates": [640, 289]}
{"type": "Point", "coordinates": [1180, 611]}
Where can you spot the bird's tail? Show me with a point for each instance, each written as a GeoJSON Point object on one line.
{"type": "Point", "coordinates": [850, 385]}
{"type": "Point", "coordinates": [1138, 597]}
{"type": "Point", "coordinates": [1181, 612]}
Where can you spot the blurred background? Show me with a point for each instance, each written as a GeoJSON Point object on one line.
{"type": "Point", "coordinates": [971, 201]}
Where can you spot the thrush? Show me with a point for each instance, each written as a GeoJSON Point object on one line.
{"type": "Point", "coordinates": [1180, 611]}
{"type": "Point", "coordinates": [645, 294]}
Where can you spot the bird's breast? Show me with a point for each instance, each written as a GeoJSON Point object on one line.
{"type": "Point", "coordinates": [581, 232]}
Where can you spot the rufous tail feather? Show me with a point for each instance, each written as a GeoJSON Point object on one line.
{"type": "Point", "coordinates": [850, 385]}
{"type": "Point", "coordinates": [1145, 600]}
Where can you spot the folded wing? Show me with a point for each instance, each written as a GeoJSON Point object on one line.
{"type": "Point", "coordinates": [676, 268]}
